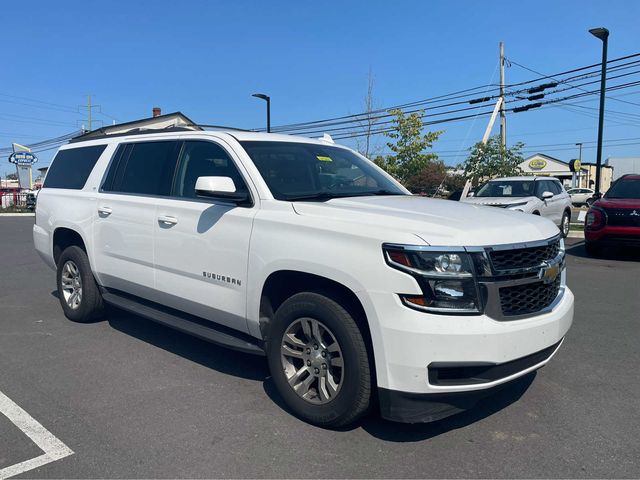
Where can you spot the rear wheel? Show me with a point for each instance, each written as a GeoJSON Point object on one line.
{"type": "Point", "coordinates": [78, 292]}
{"type": "Point", "coordinates": [318, 360]}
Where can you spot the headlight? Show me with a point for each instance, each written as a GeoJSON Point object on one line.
{"type": "Point", "coordinates": [445, 277]}
{"type": "Point", "coordinates": [517, 206]}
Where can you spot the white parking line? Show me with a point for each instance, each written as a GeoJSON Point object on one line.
{"type": "Point", "coordinates": [53, 448]}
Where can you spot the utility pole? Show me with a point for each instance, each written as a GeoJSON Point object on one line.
{"type": "Point", "coordinates": [89, 110]}
{"type": "Point", "coordinates": [89, 119]}
{"type": "Point", "coordinates": [503, 117]}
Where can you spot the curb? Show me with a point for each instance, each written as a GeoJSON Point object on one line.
{"type": "Point", "coordinates": [17, 214]}
{"type": "Point", "coordinates": [575, 235]}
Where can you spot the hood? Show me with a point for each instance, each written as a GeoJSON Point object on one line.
{"type": "Point", "coordinates": [605, 202]}
{"type": "Point", "coordinates": [497, 201]}
{"type": "Point", "coordinates": [437, 222]}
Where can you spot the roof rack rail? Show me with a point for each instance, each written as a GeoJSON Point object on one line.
{"type": "Point", "coordinates": [170, 122]}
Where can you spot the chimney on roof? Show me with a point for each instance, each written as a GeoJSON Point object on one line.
{"type": "Point", "coordinates": [156, 111]}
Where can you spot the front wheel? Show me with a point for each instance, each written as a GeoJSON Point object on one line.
{"type": "Point", "coordinates": [318, 360]}
{"type": "Point", "coordinates": [565, 224]}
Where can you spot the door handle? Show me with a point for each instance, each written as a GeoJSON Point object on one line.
{"type": "Point", "coordinates": [167, 220]}
{"type": "Point", "coordinates": [104, 210]}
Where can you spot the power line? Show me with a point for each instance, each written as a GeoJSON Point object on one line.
{"type": "Point", "coordinates": [455, 95]}
{"type": "Point", "coordinates": [538, 73]}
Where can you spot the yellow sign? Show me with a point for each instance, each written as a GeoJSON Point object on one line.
{"type": "Point", "coordinates": [574, 165]}
{"type": "Point", "coordinates": [537, 164]}
{"type": "Point", "coordinates": [323, 158]}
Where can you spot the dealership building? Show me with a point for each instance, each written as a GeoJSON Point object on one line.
{"type": "Point", "coordinates": [545, 165]}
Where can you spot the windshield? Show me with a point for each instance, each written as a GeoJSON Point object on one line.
{"type": "Point", "coordinates": [304, 171]}
{"type": "Point", "coordinates": [626, 188]}
{"type": "Point", "coordinates": [507, 188]}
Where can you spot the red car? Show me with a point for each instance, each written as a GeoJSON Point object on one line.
{"type": "Point", "coordinates": [614, 220]}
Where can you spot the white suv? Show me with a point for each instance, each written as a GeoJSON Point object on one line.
{"type": "Point", "coordinates": [306, 252]}
{"type": "Point", "coordinates": [542, 196]}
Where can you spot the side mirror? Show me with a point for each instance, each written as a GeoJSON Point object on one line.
{"type": "Point", "coordinates": [470, 194]}
{"type": "Point", "coordinates": [546, 195]}
{"type": "Point", "coordinates": [220, 188]}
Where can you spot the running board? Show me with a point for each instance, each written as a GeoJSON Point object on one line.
{"type": "Point", "coordinates": [183, 322]}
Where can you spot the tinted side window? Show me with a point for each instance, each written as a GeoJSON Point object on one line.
{"type": "Point", "coordinates": [147, 169]}
{"type": "Point", "coordinates": [204, 159]}
{"type": "Point", "coordinates": [557, 188]}
{"type": "Point", "coordinates": [71, 168]}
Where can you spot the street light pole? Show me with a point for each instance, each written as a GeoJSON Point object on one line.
{"type": "Point", "coordinates": [266, 98]}
{"type": "Point", "coordinates": [602, 34]}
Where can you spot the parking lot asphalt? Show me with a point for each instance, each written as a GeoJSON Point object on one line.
{"type": "Point", "coordinates": [134, 399]}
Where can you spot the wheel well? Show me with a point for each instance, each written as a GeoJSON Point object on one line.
{"type": "Point", "coordinates": [536, 213]}
{"type": "Point", "coordinates": [64, 238]}
{"type": "Point", "coordinates": [285, 283]}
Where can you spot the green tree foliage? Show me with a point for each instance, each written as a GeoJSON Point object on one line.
{"type": "Point", "coordinates": [492, 160]}
{"type": "Point", "coordinates": [12, 176]}
{"type": "Point", "coordinates": [409, 163]}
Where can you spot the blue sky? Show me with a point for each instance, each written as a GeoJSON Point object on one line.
{"type": "Point", "coordinates": [205, 58]}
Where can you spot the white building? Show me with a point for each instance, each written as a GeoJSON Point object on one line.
{"type": "Point", "coordinates": [624, 165]}
{"type": "Point", "coordinates": [545, 165]}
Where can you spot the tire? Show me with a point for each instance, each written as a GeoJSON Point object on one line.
{"type": "Point", "coordinates": [589, 202]}
{"type": "Point", "coordinates": [565, 224]}
{"type": "Point", "coordinates": [593, 249]}
{"type": "Point", "coordinates": [330, 407]}
{"type": "Point", "coordinates": [74, 276]}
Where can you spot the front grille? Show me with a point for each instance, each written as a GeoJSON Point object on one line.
{"type": "Point", "coordinates": [528, 298]}
{"type": "Point", "coordinates": [623, 217]}
{"type": "Point", "coordinates": [523, 257]}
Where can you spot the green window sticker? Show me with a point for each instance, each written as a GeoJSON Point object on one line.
{"type": "Point", "coordinates": [323, 158]}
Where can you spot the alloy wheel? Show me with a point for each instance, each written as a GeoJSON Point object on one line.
{"type": "Point", "coordinates": [565, 225]}
{"type": "Point", "coordinates": [71, 284]}
{"type": "Point", "coordinates": [312, 360]}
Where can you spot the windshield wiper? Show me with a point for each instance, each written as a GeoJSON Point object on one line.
{"type": "Point", "coordinates": [383, 192]}
{"type": "Point", "coordinates": [323, 196]}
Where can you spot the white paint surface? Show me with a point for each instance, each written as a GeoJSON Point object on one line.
{"type": "Point", "coordinates": [52, 447]}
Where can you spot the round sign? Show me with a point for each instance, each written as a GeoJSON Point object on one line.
{"type": "Point", "coordinates": [23, 158]}
{"type": "Point", "coordinates": [537, 164]}
{"type": "Point", "coordinates": [574, 165]}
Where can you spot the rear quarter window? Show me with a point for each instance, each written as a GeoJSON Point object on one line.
{"type": "Point", "coordinates": [71, 168]}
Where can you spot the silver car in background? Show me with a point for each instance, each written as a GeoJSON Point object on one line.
{"type": "Point", "coordinates": [542, 196]}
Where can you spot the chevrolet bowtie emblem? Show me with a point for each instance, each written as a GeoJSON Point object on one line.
{"type": "Point", "coordinates": [550, 273]}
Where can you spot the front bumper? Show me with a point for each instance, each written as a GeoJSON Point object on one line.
{"type": "Point", "coordinates": [614, 236]}
{"type": "Point", "coordinates": [410, 407]}
{"type": "Point", "coordinates": [406, 341]}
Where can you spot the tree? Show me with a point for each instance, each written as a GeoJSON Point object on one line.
{"type": "Point", "coordinates": [492, 160]}
{"type": "Point", "coordinates": [12, 176]}
{"type": "Point", "coordinates": [367, 121]}
{"type": "Point", "coordinates": [427, 180]}
{"type": "Point", "coordinates": [409, 158]}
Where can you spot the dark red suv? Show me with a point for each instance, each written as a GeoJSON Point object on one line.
{"type": "Point", "coordinates": [614, 220]}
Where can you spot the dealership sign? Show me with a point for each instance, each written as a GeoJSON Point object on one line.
{"type": "Point", "coordinates": [537, 164]}
{"type": "Point", "coordinates": [23, 159]}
